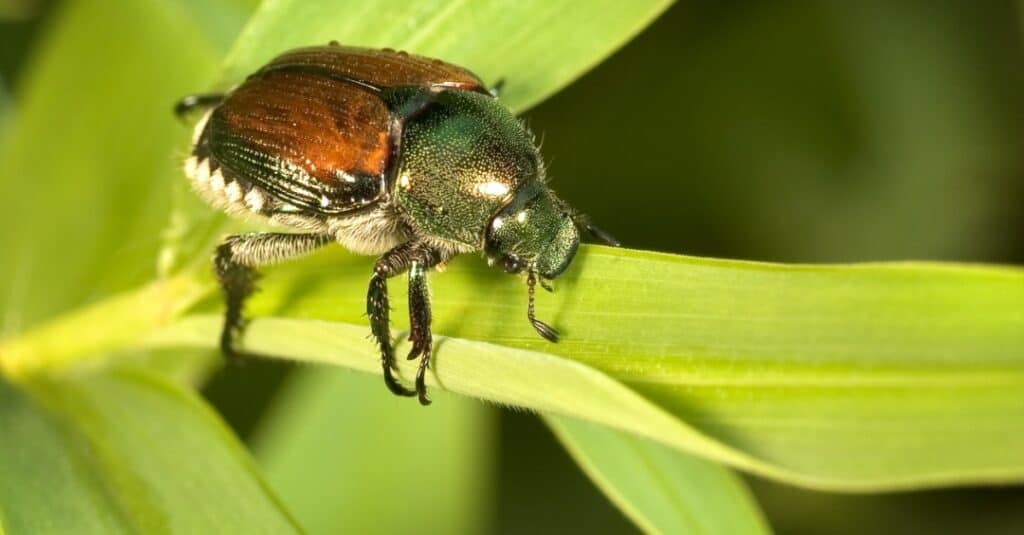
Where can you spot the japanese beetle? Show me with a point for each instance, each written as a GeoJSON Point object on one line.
{"type": "Point", "coordinates": [386, 153]}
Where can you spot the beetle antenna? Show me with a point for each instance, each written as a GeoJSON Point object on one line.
{"type": "Point", "coordinates": [498, 88]}
{"type": "Point", "coordinates": [601, 235]}
{"type": "Point", "coordinates": [583, 221]}
{"type": "Point", "coordinates": [546, 331]}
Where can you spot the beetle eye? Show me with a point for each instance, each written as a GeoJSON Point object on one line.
{"type": "Point", "coordinates": [511, 264]}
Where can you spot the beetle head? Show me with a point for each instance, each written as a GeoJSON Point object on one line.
{"type": "Point", "coordinates": [533, 233]}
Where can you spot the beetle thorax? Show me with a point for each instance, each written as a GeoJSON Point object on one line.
{"type": "Point", "coordinates": [463, 157]}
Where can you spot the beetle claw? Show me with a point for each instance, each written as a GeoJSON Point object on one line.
{"type": "Point", "coordinates": [419, 346]}
{"type": "Point", "coordinates": [546, 331]}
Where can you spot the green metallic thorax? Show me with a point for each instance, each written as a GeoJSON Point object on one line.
{"type": "Point", "coordinates": [463, 158]}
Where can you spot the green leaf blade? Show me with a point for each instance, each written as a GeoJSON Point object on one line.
{"type": "Point", "coordinates": [85, 209]}
{"type": "Point", "coordinates": [135, 454]}
{"type": "Point", "coordinates": [41, 486]}
{"type": "Point", "coordinates": [661, 490]}
{"type": "Point", "coordinates": [538, 46]}
{"type": "Point", "coordinates": [830, 376]}
{"type": "Point", "coordinates": [347, 459]}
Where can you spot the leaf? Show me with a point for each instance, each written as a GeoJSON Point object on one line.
{"type": "Point", "coordinates": [134, 313]}
{"type": "Point", "coordinates": [861, 377]}
{"type": "Point", "coordinates": [88, 158]}
{"type": "Point", "coordinates": [346, 459]}
{"type": "Point", "coordinates": [538, 381]}
{"type": "Point", "coordinates": [537, 46]}
{"type": "Point", "coordinates": [220, 20]}
{"type": "Point", "coordinates": [125, 452]}
{"type": "Point", "coordinates": [847, 377]}
{"type": "Point", "coordinates": [661, 490]}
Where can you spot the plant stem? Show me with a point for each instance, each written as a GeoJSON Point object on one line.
{"type": "Point", "coordinates": [97, 329]}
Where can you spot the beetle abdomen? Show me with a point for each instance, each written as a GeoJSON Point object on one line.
{"type": "Point", "coordinates": [227, 192]}
{"type": "Point", "coordinates": [237, 195]}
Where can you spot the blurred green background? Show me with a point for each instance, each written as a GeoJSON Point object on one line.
{"type": "Point", "coordinates": [822, 131]}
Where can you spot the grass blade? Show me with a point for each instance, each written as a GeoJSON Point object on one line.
{"type": "Point", "coordinates": [660, 489]}
{"type": "Point", "coordinates": [87, 157]}
{"type": "Point", "coordinates": [841, 377]}
{"type": "Point", "coordinates": [538, 46]}
{"type": "Point", "coordinates": [125, 452]}
{"type": "Point", "coordinates": [346, 459]}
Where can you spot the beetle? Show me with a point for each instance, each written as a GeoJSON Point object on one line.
{"type": "Point", "coordinates": [386, 153]}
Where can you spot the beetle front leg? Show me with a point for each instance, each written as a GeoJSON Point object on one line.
{"type": "Point", "coordinates": [419, 325]}
{"type": "Point", "coordinates": [417, 258]}
{"type": "Point", "coordinates": [235, 263]}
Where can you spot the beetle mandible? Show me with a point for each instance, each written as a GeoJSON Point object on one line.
{"type": "Point", "coordinates": [386, 153]}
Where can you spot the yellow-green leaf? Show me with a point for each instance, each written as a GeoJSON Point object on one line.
{"type": "Point", "coordinates": [858, 377]}
{"type": "Point", "coordinates": [125, 452]}
{"type": "Point", "coordinates": [660, 489]}
{"type": "Point", "coordinates": [537, 46]}
{"type": "Point", "coordinates": [88, 157]}
{"type": "Point", "coordinates": [347, 459]}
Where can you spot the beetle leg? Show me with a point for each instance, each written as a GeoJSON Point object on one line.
{"type": "Point", "coordinates": [419, 322]}
{"type": "Point", "coordinates": [378, 309]}
{"type": "Point", "coordinates": [191, 102]}
{"type": "Point", "coordinates": [235, 263]}
{"type": "Point", "coordinates": [417, 258]}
